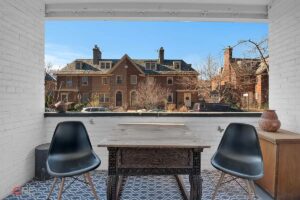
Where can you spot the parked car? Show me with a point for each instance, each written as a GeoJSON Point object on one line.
{"type": "Point", "coordinates": [95, 109]}
{"type": "Point", "coordinates": [213, 107]}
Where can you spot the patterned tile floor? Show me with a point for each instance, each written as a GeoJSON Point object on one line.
{"type": "Point", "coordinates": [136, 188]}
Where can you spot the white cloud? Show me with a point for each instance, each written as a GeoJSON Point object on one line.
{"type": "Point", "coordinates": [60, 55]}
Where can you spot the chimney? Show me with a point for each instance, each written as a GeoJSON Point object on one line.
{"type": "Point", "coordinates": [227, 56]}
{"type": "Point", "coordinates": [96, 55]}
{"type": "Point", "coordinates": [161, 55]}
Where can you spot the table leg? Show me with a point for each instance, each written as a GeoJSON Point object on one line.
{"type": "Point", "coordinates": [184, 192]}
{"type": "Point", "coordinates": [112, 179]}
{"type": "Point", "coordinates": [195, 176]}
{"type": "Point", "coordinates": [196, 187]}
{"type": "Point", "coordinates": [112, 184]}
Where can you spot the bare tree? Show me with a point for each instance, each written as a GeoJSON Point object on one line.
{"type": "Point", "coordinates": [209, 69]}
{"type": "Point", "coordinates": [48, 67]}
{"type": "Point", "coordinates": [203, 83]}
{"type": "Point", "coordinates": [93, 100]}
{"type": "Point", "coordinates": [261, 48]}
{"type": "Point", "coordinates": [245, 70]}
{"type": "Point", "coordinates": [150, 94]}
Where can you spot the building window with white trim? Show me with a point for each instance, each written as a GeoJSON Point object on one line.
{"type": "Point", "coordinates": [150, 65]}
{"type": "Point", "coordinates": [170, 98]}
{"type": "Point", "coordinates": [177, 65]}
{"type": "Point", "coordinates": [104, 80]}
{"type": "Point", "coordinates": [133, 79]}
{"type": "Point", "coordinates": [84, 80]}
{"type": "Point", "coordinates": [108, 65]}
{"type": "Point", "coordinates": [169, 80]}
{"type": "Point", "coordinates": [104, 98]}
{"type": "Point", "coordinates": [119, 79]}
{"type": "Point", "coordinates": [105, 65]}
{"type": "Point", "coordinates": [69, 82]}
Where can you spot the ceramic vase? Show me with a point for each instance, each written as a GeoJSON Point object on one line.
{"type": "Point", "coordinates": [269, 121]}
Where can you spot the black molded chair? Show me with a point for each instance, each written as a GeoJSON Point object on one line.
{"type": "Point", "coordinates": [71, 154]}
{"type": "Point", "coordinates": [239, 155]}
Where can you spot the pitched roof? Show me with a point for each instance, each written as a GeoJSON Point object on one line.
{"type": "Point", "coordinates": [130, 60]}
{"type": "Point", "coordinates": [245, 66]}
{"type": "Point", "coordinates": [86, 66]}
{"type": "Point", "coordinates": [263, 68]}
{"type": "Point", "coordinates": [49, 77]}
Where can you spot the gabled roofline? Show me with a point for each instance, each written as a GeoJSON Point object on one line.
{"type": "Point", "coordinates": [121, 60]}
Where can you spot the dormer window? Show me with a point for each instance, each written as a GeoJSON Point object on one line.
{"type": "Point", "coordinates": [105, 65]}
{"type": "Point", "coordinates": [78, 65]}
{"type": "Point", "coordinates": [177, 65]}
{"type": "Point", "coordinates": [150, 65]}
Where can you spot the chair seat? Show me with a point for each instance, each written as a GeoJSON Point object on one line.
{"type": "Point", "coordinates": [245, 166]}
{"type": "Point", "coordinates": [72, 164]}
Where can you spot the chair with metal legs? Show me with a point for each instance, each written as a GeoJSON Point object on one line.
{"type": "Point", "coordinates": [71, 155]}
{"type": "Point", "coordinates": [239, 155]}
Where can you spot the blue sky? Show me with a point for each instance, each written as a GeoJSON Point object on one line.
{"type": "Point", "coordinates": [191, 41]}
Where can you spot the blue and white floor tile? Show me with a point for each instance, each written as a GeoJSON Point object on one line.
{"type": "Point", "coordinates": [135, 188]}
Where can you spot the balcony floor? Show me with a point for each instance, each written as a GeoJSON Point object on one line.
{"type": "Point", "coordinates": [135, 188]}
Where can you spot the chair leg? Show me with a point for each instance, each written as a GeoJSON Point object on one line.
{"type": "Point", "coordinates": [85, 179]}
{"type": "Point", "coordinates": [52, 187]}
{"type": "Point", "coordinates": [253, 188]}
{"type": "Point", "coordinates": [87, 175]}
{"type": "Point", "coordinates": [61, 188]}
{"type": "Point", "coordinates": [249, 189]}
{"type": "Point", "coordinates": [218, 185]}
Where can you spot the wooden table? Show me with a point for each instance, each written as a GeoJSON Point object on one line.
{"type": "Point", "coordinates": [154, 149]}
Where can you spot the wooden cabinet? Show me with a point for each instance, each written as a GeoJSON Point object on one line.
{"type": "Point", "coordinates": [281, 155]}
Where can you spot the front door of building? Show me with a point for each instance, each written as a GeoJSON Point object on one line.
{"type": "Point", "coordinates": [119, 98]}
{"type": "Point", "coordinates": [187, 99]}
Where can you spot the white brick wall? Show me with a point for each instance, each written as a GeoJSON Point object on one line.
{"type": "Point", "coordinates": [21, 89]}
{"type": "Point", "coordinates": [100, 127]}
{"type": "Point", "coordinates": [284, 62]}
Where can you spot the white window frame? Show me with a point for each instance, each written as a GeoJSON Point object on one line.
{"type": "Point", "coordinates": [109, 65]}
{"type": "Point", "coordinates": [171, 96]}
{"type": "Point", "coordinates": [105, 97]}
{"type": "Point", "coordinates": [174, 65]}
{"type": "Point", "coordinates": [168, 78]}
{"type": "Point", "coordinates": [104, 64]}
{"type": "Point", "coordinates": [103, 82]}
{"type": "Point", "coordinates": [69, 79]}
{"type": "Point", "coordinates": [152, 65]}
{"type": "Point", "coordinates": [133, 81]}
{"type": "Point", "coordinates": [117, 79]}
{"type": "Point", "coordinates": [85, 83]}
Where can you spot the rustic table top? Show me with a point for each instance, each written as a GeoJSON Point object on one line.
{"type": "Point", "coordinates": [153, 135]}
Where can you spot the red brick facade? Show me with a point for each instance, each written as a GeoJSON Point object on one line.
{"type": "Point", "coordinates": [116, 85]}
{"type": "Point", "coordinates": [247, 77]}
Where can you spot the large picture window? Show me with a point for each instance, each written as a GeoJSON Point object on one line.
{"type": "Point", "coordinates": [167, 65]}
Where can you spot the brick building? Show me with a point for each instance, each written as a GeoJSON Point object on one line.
{"type": "Point", "coordinates": [247, 76]}
{"type": "Point", "coordinates": [115, 81]}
